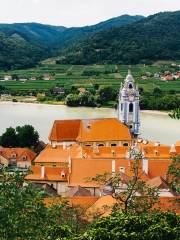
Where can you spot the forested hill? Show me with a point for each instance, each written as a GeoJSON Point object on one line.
{"type": "Point", "coordinates": [23, 45]}
{"type": "Point", "coordinates": [153, 38]}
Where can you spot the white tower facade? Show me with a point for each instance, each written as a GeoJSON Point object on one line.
{"type": "Point", "coordinates": [128, 108]}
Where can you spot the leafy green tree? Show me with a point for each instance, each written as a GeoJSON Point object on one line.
{"type": "Point", "coordinates": [24, 214]}
{"type": "Point", "coordinates": [125, 226]}
{"type": "Point", "coordinates": [86, 99]}
{"type": "Point", "coordinates": [174, 172]}
{"type": "Point", "coordinates": [175, 113]}
{"type": "Point", "coordinates": [105, 93]}
{"type": "Point", "coordinates": [27, 136]}
{"type": "Point", "coordinates": [9, 138]}
{"type": "Point", "coordinates": [21, 208]}
{"type": "Point", "coordinates": [41, 97]}
{"type": "Point", "coordinates": [157, 92]}
{"type": "Point", "coordinates": [72, 100]}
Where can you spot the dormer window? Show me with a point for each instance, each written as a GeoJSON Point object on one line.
{"type": "Point", "coordinates": [24, 158]}
{"type": "Point", "coordinates": [63, 174]}
{"type": "Point", "coordinates": [122, 169]}
{"type": "Point", "coordinates": [100, 144]}
{"type": "Point", "coordinates": [13, 155]}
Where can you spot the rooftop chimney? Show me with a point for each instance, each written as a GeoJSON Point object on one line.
{"type": "Point", "coordinates": [145, 165]}
{"type": "Point", "coordinates": [42, 171]}
{"type": "Point", "coordinates": [173, 149]}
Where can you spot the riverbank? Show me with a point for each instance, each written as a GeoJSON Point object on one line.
{"type": "Point", "coordinates": [154, 112]}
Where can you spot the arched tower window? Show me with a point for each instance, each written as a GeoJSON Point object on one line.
{"type": "Point", "coordinates": [131, 107]}
{"type": "Point", "coordinates": [130, 86]}
{"type": "Point", "coordinates": [121, 107]}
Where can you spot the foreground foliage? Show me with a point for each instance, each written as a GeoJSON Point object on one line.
{"type": "Point", "coordinates": [121, 226]}
{"type": "Point", "coordinates": [174, 172]}
{"type": "Point", "coordinates": [24, 215]}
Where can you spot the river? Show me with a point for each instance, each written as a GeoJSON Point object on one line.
{"type": "Point", "coordinates": [154, 125]}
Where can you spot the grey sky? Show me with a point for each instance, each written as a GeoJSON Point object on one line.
{"type": "Point", "coordinates": [78, 12]}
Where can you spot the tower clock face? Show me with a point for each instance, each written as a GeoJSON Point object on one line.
{"type": "Point", "coordinates": [131, 98]}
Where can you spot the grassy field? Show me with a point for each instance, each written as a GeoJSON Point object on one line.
{"type": "Point", "coordinates": [75, 75]}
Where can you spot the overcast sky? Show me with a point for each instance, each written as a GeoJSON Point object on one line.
{"type": "Point", "coordinates": [78, 12]}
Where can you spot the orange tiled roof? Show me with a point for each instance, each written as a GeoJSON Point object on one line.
{"type": "Point", "coordinates": [160, 152]}
{"type": "Point", "coordinates": [103, 130]}
{"type": "Point", "coordinates": [51, 174]}
{"type": "Point", "coordinates": [53, 155]}
{"type": "Point", "coordinates": [102, 207]}
{"type": "Point", "coordinates": [17, 153]}
{"type": "Point", "coordinates": [58, 154]}
{"type": "Point", "coordinates": [105, 152]}
{"type": "Point", "coordinates": [168, 204]}
{"type": "Point", "coordinates": [158, 167]}
{"type": "Point", "coordinates": [82, 201]}
{"type": "Point", "coordinates": [157, 182]}
{"type": "Point", "coordinates": [86, 168]}
{"type": "Point", "coordinates": [64, 130]}
{"type": "Point", "coordinates": [89, 130]}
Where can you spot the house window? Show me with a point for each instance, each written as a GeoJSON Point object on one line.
{"type": "Point", "coordinates": [88, 145]}
{"type": "Point", "coordinates": [131, 107]}
{"type": "Point", "coordinates": [125, 144]}
{"type": "Point", "coordinates": [100, 144]}
{"type": "Point", "coordinates": [54, 165]}
{"type": "Point", "coordinates": [113, 144]}
{"type": "Point", "coordinates": [122, 169]}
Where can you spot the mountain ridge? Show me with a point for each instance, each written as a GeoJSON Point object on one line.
{"type": "Point", "coordinates": [153, 38]}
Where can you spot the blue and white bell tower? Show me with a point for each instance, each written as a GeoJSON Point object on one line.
{"type": "Point", "coordinates": [128, 108]}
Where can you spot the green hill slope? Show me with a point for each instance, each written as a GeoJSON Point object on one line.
{"type": "Point", "coordinates": [23, 45]}
{"type": "Point", "coordinates": [153, 38]}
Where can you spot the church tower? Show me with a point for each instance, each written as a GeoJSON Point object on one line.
{"type": "Point", "coordinates": [128, 108]}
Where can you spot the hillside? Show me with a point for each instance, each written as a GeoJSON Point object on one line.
{"type": "Point", "coordinates": [71, 35]}
{"type": "Point", "coordinates": [152, 38]}
{"type": "Point", "coordinates": [25, 44]}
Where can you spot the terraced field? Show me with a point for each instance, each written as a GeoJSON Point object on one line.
{"type": "Point", "coordinates": [75, 75]}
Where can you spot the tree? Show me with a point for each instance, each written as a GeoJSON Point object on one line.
{"type": "Point", "coordinates": [175, 113]}
{"type": "Point", "coordinates": [24, 214]}
{"type": "Point", "coordinates": [72, 100]}
{"type": "Point", "coordinates": [9, 138]}
{"type": "Point", "coordinates": [128, 199]}
{"type": "Point", "coordinates": [157, 91]}
{"type": "Point", "coordinates": [21, 209]}
{"type": "Point", "coordinates": [41, 97]}
{"type": "Point", "coordinates": [27, 136]}
{"type": "Point", "coordinates": [125, 226]}
{"type": "Point", "coordinates": [105, 93]}
{"type": "Point", "coordinates": [174, 172]}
